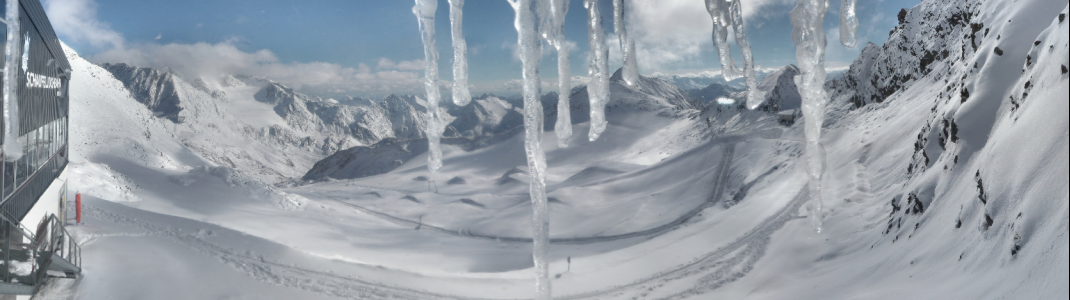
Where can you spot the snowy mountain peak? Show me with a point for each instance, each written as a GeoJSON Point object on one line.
{"type": "Point", "coordinates": [486, 114]}
{"type": "Point", "coordinates": [780, 90]}
{"type": "Point", "coordinates": [648, 94]}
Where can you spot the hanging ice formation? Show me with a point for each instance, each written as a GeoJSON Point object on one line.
{"type": "Point", "coordinates": [555, 34]}
{"type": "Point", "coordinates": [461, 95]}
{"type": "Point", "coordinates": [630, 70]}
{"type": "Point", "coordinates": [527, 23]}
{"type": "Point", "coordinates": [808, 33]}
{"type": "Point", "coordinates": [598, 88]}
{"type": "Point", "coordinates": [425, 14]}
{"type": "Point", "coordinates": [728, 14]}
{"type": "Point", "coordinates": [12, 149]}
{"type": "Point", "coordinates": [848, 23]}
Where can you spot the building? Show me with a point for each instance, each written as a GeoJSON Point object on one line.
{"type": "Point", "coordinates": [34, 243]}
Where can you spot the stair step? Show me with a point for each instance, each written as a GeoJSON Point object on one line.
{"type": "Point", "coordinates": [17, 289]}
{"type": "Point", "coordinates": [61, 264]}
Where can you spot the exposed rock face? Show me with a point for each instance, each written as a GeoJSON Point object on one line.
{"type": "Point", "coordinates": [858, 82]}
{"type": "Point", "coordinates": [780, 90]}
{"type": "Point", "coordinates": [927, 35]}
{"type": "Point", "coordinates": [365, 161]}
{"type": "Point", "coordinates": [406, 115]}
{"type": "Point", "coordinates": [153, 88]}
{"type": "Point", "coordinates": [485, 115]}
{"type": "Point", "coordinates": [291, 106]}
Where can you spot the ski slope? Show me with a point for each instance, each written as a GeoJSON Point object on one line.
{"type": "Point", "coordinates": [671, 202]}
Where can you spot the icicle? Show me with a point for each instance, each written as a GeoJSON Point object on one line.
{"type": "Point", "coordinates": [527, 23]}
{"type": "Point", "coordinates": [721, 22]}
{"type": "Point", "coordinates": [728, 14]}
{"type": "Point", "coordinates": [461, 95]}
{"type": "Point", "coordinates": [12, 149]}
{"type": "Point", "coordinates": [809, 36]}
{"type": "Point", "coordinates": [630, 70]}
{"type": "Point", "coordinates": [848, 23]}
{"type": "Point", "coordinates": [563, 128]}
{"type": "Point", "coordinates": [598, 88]}
{"type": "Point", "coordinates": [425, 14]}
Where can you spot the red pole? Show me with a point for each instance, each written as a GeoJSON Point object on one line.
{"type": "Point", "coordinates": [78, 208]}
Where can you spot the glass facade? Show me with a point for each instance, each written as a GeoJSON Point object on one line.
{"type": "Point", "coordinates": [42, 122]}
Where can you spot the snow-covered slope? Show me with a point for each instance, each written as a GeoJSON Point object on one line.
{"type": "Point", "coordinates": [950, 184]}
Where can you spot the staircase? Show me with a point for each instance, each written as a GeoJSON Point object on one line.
{"type": "Point", "coordinates": [28, 258]}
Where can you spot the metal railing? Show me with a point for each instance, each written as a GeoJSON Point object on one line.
{"type": "Point", "coordinates": [50, 241]}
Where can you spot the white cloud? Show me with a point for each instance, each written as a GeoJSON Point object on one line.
{"type": "Point", "coordinates": [76, 21]}
{"type": "Point", "coordinates": [210, 61]}
{"type": "Point", "coordinates": [405, 65]}
{"type": "Point", "coordinates": [675, 33]}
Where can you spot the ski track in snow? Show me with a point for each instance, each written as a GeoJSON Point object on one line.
{"type": "Point", "coordinates": [260, 268]}
{"type": "Point", "coordinates": [712, 270]}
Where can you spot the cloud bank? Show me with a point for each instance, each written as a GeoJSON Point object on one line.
{"type": "Point", "coordinates": [76, 21]}
{"type": "Point", "coordinates": [675, 33]}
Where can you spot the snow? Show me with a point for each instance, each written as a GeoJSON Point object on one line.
{"type": "Point", "coordinates": [598, 86]}
{"type": "Point", "coordinates": [425, 14]}
{"type": "Point", "coordinates": [461, 95]}
{"type": "Point", "coordinates": [12, 148]}
{"type": "Point", "coordinates": [674, 201]}
{"type": "Point", "coordinates": [808, 33]}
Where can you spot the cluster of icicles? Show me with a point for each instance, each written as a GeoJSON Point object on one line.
{"type": "Point", "coordinates": [539, 20]}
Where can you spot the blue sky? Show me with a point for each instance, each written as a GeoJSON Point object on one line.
{"type": "Point", "coordinates": [373, 47]}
